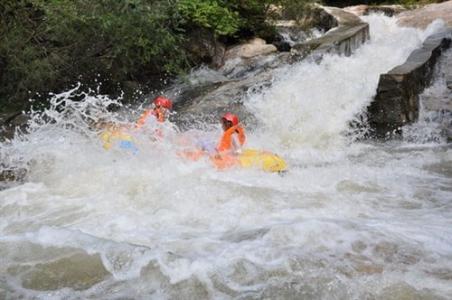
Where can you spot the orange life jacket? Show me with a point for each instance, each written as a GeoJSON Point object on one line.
{"type": "Point", "coordinates": [158, 113]}
{"type": "Point", "coordinates": [225, 143]}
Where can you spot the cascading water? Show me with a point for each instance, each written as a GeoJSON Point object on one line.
{"type": "Point", "coordinates": [350, 220]}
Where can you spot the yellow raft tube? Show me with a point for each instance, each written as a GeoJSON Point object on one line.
{"type": "Point", "coordinates": [267, 161]}
{"type": "Point", "coordinates": [247, 159]}
{"type": "Point", "coordinates": [116, 136]}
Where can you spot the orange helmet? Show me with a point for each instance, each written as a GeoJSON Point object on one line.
{"type": "Point", "coordinates": [163, 102]}
{"type": "Point", "coordinates": [231, 118]}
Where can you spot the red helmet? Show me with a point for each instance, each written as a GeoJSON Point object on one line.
{"type": "Point", "coordinates": [231, 118]}
{"type": "Point", "coordinates": [164, 102]}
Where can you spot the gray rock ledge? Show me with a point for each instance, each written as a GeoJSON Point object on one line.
{"type": "Point", "coordinates": [397, 99]}
{"type": "Point", "coordinates": [350, 34]}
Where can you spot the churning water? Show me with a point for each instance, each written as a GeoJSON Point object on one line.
{"type": "Point", "coordinates": [350, 220]}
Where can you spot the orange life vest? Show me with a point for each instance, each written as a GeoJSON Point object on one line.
{"type": "Point", "coordinates": [225, 143]}
{"type": "Point", "coordinates": [158, 113]}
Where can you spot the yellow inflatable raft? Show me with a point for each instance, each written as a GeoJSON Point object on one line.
{"type": "Point", "coordinates": [251, 158]}
{"type": "Point", "coordinates": [115, 136]}
{"type": "Point", "coordinates": [267, 161]}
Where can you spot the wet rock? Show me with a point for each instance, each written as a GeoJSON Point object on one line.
{"type": "Point", "coordinates": [368, 268]}
{"type": "Point", "coordinates": [221, 97]}
{"type": "Point", "coordinates": [291, 32]}
{"type": "Point", "coordinates": [359, 10]}
{"type": "Point", "coordinates": [361, 264]}
{"type": "Point", "coordinates": [191, 288]}
{"type": "Point", "coordinates": [448, 71]}
{"type": "Point", "coordinates": [319, 18]}
{"type": "Point", "coordinates": [9, 122]}
{"type": "Point", "coordinates": [282, 45]}
{"type": "Point", "coordinates": [252, 48]}
{"type": "Point", "coordinates": [79, 272]}
{"type": "Point", "coordinates": [386, 250]}
{"type": "Point", "coordinates": [206, 48]}
{"type": "Point", "coordinates": [12, 174]}
{"type": "Point", "coordinates": [350, 34]}
{"type": "Point", "coordinates": [423, 16]}
{"type": "Point", "coordinates": [314, 16]}
{"type": "Point", "coordinates": [206, 102]}
{"type": "Point", "coordinates": [441, 273]}
{"type": "Point", "coordinates": [359, 246]}
{"type": "Point", "coordinates": [388, 10]}
{"type": "Point", "coordinates": [403, 291]}
{"type": "Point", "coordinates": [397, 99]}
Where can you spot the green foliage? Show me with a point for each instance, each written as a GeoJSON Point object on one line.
{"type": "Point", "coordinates": [210, 14]}
{"type": "Point", "coordinates": [254, 14]}
{"type": "Point", "coordinates": [46, 45]}
{"type": "Point", "coordinates": [229, 18]}
{"type": "Point", "coordinates": [296, 9]}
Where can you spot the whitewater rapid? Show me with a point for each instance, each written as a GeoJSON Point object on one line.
{"type": "Point", "coordinates": [350, 220]}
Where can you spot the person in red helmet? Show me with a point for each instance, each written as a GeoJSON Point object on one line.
{"type": "Point", "coordinates": [226, 153]}
{"type": "Point", "coordinates": [233, 136]}
{"type": "Point", "coordinates": [162, 106]}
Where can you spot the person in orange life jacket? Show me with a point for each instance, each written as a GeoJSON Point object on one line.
{"type": "Point", "coordinates": [233, 136]}
{"type": "Point", "coordinates": [160, 111]}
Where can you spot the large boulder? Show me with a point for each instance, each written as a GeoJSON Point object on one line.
{"type": "Point", "coordinates": [205, 101]}
{"type": "Point", "coordinates": [314, 16]}
{"type": "Point", "coordinates": [10, 121]}
{"type": "Point", "coordinates": [291, 32]}
{"type": "Point", "coordinates": [397, 100]}
{"type": "Point", "coordinates": [251, 48]}
{"type": "Point", "coordinates": [423, 16]}
{"type": "Point", "coordinates": [388, 10]}
{"type": "Point", "coordinates": [350, 34]}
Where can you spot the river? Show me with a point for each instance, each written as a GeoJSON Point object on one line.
{"type": "Point", "coordinates": [351, 219]}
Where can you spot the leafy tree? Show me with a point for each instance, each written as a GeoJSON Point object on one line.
{"type": "Point", "coordinates": [47, 44]}
{"type": "Point", "coordinates": [210, 14]}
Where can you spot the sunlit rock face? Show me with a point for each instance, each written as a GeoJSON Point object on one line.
{"type": "Point", "coordinates": [252, 48]}
{"type": "Point", "coordinates": [388, 10]}
{"type": "Point", "coordinates": [423, 16]}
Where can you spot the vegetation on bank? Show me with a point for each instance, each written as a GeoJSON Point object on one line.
{"type": "Point", "coordinates": [48, 45]}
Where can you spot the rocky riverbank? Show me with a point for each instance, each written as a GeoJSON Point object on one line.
{"type": "Point", "coordinates": [252, 65]}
